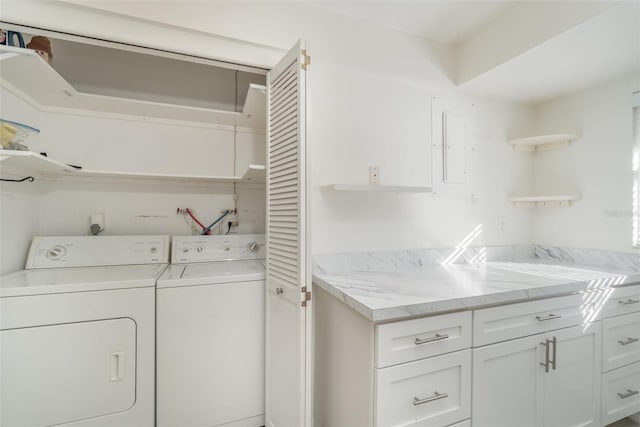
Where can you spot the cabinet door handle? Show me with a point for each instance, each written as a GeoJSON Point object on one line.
{"type": "Point", "coordinates": [437, 337]}
{"type": "Point", "coordinates": [546, 345]}
{"type": "Point", "coordinates": [549, 317]}
{"type": "Point", "coordinates": [554, 341]}
{"type": "Point", "coordinates": [436, 396]}
{"type": "Point", "coordinates": [629, 301]}
{"type": "Point", "coordinates": [629, 393]}
{"type": "Point", "coordinates": [628, 341]}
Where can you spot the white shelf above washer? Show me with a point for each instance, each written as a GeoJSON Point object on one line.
{"type": "Point", "coordinates": [28, 76]}
{"type": "Point", "coordinates": [542, 142]}
{"type": "Point", "coordinates": [374, 188]}
{"type": "Point", "coordinates": [20, 163]}
{"type": "Point", "coordinates": [543, 201]}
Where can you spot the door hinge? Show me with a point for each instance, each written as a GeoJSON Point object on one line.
{"type": "Point", "coordinates": [306, 60]}
{"type": "Point", "coordinates": [307, 296]}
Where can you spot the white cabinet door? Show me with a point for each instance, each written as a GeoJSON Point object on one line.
{"type": "Point", "coordinates": [519, 383]}
{"type": "Point", "coordinates": [572, 385]}
{"type": "Point", "coordinates": [507, 383]}
{"type": "Point", "coordinates": [288, 273]}
{"type": "Point", "coordinates": [428, 392]}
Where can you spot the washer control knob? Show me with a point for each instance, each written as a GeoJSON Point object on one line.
{"type": "Point", "coordinates": [57, 252]}
{"type": "Point", "coordinates": [226, 247]}
{"type": "Point", "coordinates": [153, 249]}
{"type": "Point", "coordinates": [253, 247]}
{"type": "Point", "coordinates": [199, 249]}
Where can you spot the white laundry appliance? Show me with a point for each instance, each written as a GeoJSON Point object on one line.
{"type": "Point", "coordinates": [210, 333]}
{"type": "Point", "coordinates": [77, 332]}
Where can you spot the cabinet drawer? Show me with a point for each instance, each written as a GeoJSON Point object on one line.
{"type": "Point", "coordinates": [465, 423]}
{"type": "Point", "coordinates": [495, 324]}
{"type": "Point", "coordinates": [620, 341]}
{"type": "Point", "coordinates": [416, 339]}
{"type": "Point", "coordinates": [622, 300]}
{"type": "Point", "coordinates": [433, 392]}
{"type": "Point", "coordinates": [620, 393]}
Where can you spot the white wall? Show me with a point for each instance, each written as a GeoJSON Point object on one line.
{"type": "Point", "coordinates": [144, 207]}
{"type": "Point", "coordinates": [359, 119]}
{"type": "Point", "coordinates": [369, 103]}
{"type": "Point", "coordinates": [597, 167]}
{"type": "Point", "coordinates": [136, 206]}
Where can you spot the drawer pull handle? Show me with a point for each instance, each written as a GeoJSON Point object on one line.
{"type": "Point", "coordinates": [628, 341]}
{"type": "Point", "coordinates": [436, 396]}
{"type": "Point", "coordinates": [549, 317]}
{"type": "Point", "coordinates": [629, 393]}
{"type": "Point", "coordinates": [437, 337]}
{"type": "Point", "coordinates": [629, 301]}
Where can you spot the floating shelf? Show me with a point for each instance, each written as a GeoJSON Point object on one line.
{"type": "Point", "coordinates": [29, 77]}
{"type": "Point", "coordinates": [542, 142]}
{"type": "Point", "coordinates": [30, 163]}
{"type": "Point", "coordinates": [375, 188]}
{"type": "Point", "coordinates": [543, 201]}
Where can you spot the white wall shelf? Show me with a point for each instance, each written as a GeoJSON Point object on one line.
{"type": "Point", "coordinates": [543, 201]}
{"type": "Point", "coordinates": [19, 163]}
{"type": "Point", "coordinates": [374, 188]}
{"type": "Point", "coordinates": [542, 142]}
{"type": "Point", "coordinates": [29, 77]}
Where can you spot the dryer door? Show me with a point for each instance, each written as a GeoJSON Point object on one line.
{"type": "Point", "coordinates": [57, 374]}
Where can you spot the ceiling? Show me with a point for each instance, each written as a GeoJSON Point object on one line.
{"type": "Point", "coordinates": [602, 48]}
{"type": "Point", "coordinates": [516, 50]}
{"type": "Point", "coordinates": [601, 42]}
{"type": "Point", "coordinates": [446, 22]}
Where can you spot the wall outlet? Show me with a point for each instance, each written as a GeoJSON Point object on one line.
{"type": "Point", "coordinates": [374, 175]}
{"type": "Point", "coordinates": [502, 224]}
{"type": "Point", "coordinates": [228, 224]}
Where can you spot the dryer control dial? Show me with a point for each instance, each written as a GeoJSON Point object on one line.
{"type": "Point", "coordinates": [253, 247]}
{"type": "Point", "coordinates": [55, 253]}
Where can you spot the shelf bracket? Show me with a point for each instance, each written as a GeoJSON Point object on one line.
{"type": "Point", "coordinates": [29, 178]}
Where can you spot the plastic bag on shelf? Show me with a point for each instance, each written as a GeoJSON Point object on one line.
{"type": "Point", "coordinates": [13, 134]}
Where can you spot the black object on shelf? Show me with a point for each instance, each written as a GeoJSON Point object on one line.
{"type": "Point", "coordinates": [29, 178]}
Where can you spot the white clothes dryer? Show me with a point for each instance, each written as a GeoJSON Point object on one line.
{"type": "Point", "coordinates": [77, 332]}
{"type": "Point", "coordinates": [210, 333]}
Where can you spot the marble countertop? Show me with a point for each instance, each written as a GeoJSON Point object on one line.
{"type": "Point", "coordinates": [418, 290]}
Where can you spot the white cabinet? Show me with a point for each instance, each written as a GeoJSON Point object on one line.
{"type": "Point", "coordinates": [549, 379]}
{"type": "Point", "coordinates": [433, 391]}
{"type": "Point", "coordinates": [621, 354]}
{"type": "Point", "coordinates": [415, 372]}
{"type": "Point", "coordinates": [620, 341]}
{"type": "Point", "coordinates": [620, 393]}
{"type": "Point", "coordinates": [506, 383]}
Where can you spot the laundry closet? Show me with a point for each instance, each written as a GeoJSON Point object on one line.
{"type": "Point", "coordinates": [133, 145]}
{"type": "Point", "coordinates": [146, 133]}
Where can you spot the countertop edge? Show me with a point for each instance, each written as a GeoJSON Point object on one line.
{"type": "Point", "coordinates": [474, 302]}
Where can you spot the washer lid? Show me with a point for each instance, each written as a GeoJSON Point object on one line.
{"type": "Point", "coordinates": [80, 279]}
{"type": "Point", "coordinates": [211, 273]}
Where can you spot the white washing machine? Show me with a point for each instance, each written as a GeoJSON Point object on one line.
{"type": "Point", "coordinates": [210, 333]}
{"type": "Point", "coordinates": [77, 332]}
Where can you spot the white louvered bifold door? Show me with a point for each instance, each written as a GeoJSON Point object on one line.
{"type": "Point", "coordinates": [288, 313]}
